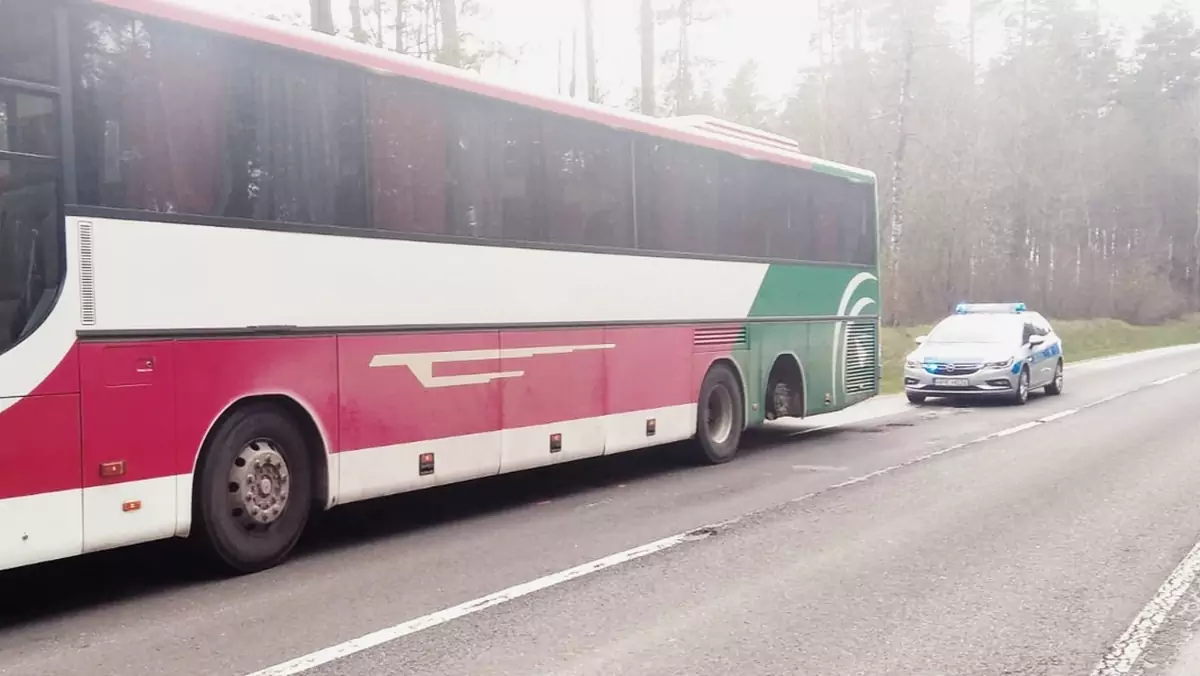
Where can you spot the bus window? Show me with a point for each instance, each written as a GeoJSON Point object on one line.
{"type": "Point", "coordinates": [588, 184]}
{"type": "Point", "coordinates": [27, 41]}
{"type": "Point", "coordinates": [407, 153]}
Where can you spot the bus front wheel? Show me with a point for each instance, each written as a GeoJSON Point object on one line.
{"type": "Point", "coordinates": [720, 416]}
{"type": "Point", "coordinates": [255, 492]}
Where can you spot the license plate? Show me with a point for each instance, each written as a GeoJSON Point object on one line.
{"type": "Point", "coordinates": [951, 382]}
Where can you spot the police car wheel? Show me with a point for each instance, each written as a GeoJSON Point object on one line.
{"type": "Point", "coordinates": [1056, 386]}
{"type": "Point", "coordinates": [914, 398]}
{"type": "Point", "coordinates": [1022, 394]}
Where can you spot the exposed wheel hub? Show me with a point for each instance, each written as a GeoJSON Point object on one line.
{"type": "Point", "coordinates": [259, 484]}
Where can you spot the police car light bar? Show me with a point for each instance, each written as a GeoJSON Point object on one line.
{"type": "Point", "coordinates": [972, 308]}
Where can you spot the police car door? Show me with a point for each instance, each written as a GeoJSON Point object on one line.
{"type": "Point", "coordinates": [1048, 354]}
{"type": "Point", "coordinates": [1028, 352]}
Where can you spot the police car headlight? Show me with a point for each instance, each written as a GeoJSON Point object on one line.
{"type": "Point", "coordinates": [999, 364]}
{"type": "Point", "coordinates": [912, 363]}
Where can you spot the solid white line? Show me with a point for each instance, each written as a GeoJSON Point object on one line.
{"type": "Point", "coordinates": [382, 636]}
{"type": "Point", "coordinates": [347, 648]}
{"type": "Point", "coordinates": [1124, 654]}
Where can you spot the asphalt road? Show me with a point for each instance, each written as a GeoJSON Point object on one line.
{"type": "Point", "coordinates": [924, 540]}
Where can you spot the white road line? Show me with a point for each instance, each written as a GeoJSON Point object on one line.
{"type": "Point", "coordinates": [1164, 381]}
{"type": "Point", "coordinates": [1019, 428]}
{"type": "Point", "coordinates": [1134, 640]}
{"type": "Point", "coordinates": [382, 636]}
{"type": "Point", "coordinates": [1124, 654]}
{"type": "Point", "coordinates": [1059, 416]}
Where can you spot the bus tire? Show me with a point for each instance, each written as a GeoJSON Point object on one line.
{"type": "Point", "coordinates": [256, 489]}
{"type": "Point", "coordinates": [720, 416]}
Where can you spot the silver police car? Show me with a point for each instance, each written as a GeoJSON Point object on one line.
{"type": "Point", "coordinates": [986, 349]}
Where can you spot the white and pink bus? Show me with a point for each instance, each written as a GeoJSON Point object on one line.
{"type": "Point", "coordinates": [248, 272]}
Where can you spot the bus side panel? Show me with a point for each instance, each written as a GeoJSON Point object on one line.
{"type": "Point", "coordinates": [213, 375]}
{"type": "Point", "coordinates": [819, 365]}
{"type": "Point", "coordinates": [41, 510]}
{"type": "Point", "coordinates": [411, 394]}
{"type": "Point", "coordinates": [128, 433]}
{"type": "Point", "coordinates": [649, 380]}
{"type": "Point", "coordinates": [553, 396]}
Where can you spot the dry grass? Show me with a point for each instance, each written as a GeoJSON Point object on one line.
{"type": "Point", "coordinates": [1082, 339]}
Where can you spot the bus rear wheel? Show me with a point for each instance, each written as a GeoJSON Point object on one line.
{"type": "Point", "coordinates": [720, 416]}
{"type": "Point", "coordinates": [255, 491]}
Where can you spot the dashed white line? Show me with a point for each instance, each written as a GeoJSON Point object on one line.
{"type": "Point", "coordinates": [1059, 416]}
{"type": "Point", "coordinates": [1168, 379]}
{"type": "Point", "coordinates": [1123, 654]}
{"type": "Point", "coordinates": [413, 626]}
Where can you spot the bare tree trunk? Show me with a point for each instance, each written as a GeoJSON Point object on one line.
{"type": "Point", "coordinates": [379, 23]}
{"type": "Point", "coordinates": [824, 66]}
{"type": "Point", "coordinates": [683, 74]}
{"type": "Point", "coordinates": [574, 62]}
{"type": "Point", "coordinates": [972, 20]}
{"type": "Point", "coordinates": [321, 16]}
{"type": "Point", "coordinates": [451, 53]}
{"type": "Point", "coordinates": [559, 78]}
{"type": "Point", "coordinates": [401, 25]}
{"type": "Point", "coordinates": [895, 197]}
{"type": "Point", "coordinates": [589, 50]}
{"type": "Point", "coordinates": [1196, 234]}
{"type": "Point", "coordinates": [356, 22]}
{"type": "Point", "coordinates": [649, 95]}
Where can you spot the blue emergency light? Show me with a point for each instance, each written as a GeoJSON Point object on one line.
{"type": "Point", "coordinates": [978, 308]}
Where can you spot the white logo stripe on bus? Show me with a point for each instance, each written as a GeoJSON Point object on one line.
{"type": "Point", "coordinates": [847, 294]}
{"type": "Point", "coordinates": [421, 363]}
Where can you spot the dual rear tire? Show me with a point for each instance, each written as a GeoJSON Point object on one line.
{"type": "Point", "coordinates": [720, 416]}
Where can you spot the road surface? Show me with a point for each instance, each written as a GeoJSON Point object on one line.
{"type": "Point", "coordinates": [1054, 538]}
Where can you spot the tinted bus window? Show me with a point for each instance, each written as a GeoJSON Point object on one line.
{"type": "Point", "coordinates": [27, 40]}
{"type": "Point", "coordinates": [407, 151]}
{"type": "Point", "coordinates": [173, 119]}
{"type": "Point", "coordinates": [588, 184]}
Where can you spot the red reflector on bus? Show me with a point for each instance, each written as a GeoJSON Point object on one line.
{"type": "Point", "coordinates": [108, 470]}
{"type": "Point", "coordinates": [555, 443]}
{"type": "Point", "coordinates": [131, 506]}
{"type": "Point", "coordinates": [425, 464]}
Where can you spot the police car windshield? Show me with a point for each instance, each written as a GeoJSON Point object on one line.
{"type": "Point", "coordinates": [977, 328]}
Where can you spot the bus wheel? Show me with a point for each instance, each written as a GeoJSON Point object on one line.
{"type": "Point", "coordinates": [720, 416]}
{"type": "Point", "coordinates": [255, 489]}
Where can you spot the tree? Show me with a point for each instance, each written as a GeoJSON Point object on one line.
{"type": "Point", "coordinates": [321, 16]}
{"type": "Point", "coordinates": [648, 95]}
{"type": "Point", "coordinates": [741, 100]}
{"type": "Point", "coordinates": [589, 49]}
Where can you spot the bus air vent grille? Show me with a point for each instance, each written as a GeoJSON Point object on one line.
{"type": "Point", "coordinates": [87, 276]}
{"type": "Point", "coordinates": [720, 336]}
{"type": "Point", "coordinates": [861, 365]}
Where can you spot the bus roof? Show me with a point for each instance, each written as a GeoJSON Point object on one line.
{"type": "Point", "coordinates": [708, 132]}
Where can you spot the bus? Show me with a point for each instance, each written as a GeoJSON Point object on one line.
{"type": "Point", "coordinates": [248, 272]}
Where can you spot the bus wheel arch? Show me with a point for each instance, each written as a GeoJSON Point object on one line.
{"type": "Point", "coordinates": [786, 394]}
{"type": "Point", "coordinates": [260, 474]}
{"type": "Point", "coordinates": [720, 413]}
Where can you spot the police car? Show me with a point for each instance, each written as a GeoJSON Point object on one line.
{"type": "Point", "coordinates": [988, 350]}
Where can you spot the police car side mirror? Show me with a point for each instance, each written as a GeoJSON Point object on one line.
{"type": "Point", "coordinates": [1034, 341]}
{"type": "Point", "coordinates": [921, 340]}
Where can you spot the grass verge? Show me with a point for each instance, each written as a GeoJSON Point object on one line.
{"type": "Point", "coordinates": [1082, 339]}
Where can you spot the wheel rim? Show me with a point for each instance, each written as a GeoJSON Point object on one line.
{"type": "Point", "coordinates": [259, 485]}
{"type": "Point", "coordinates": [718, 415]}
{"type": "Point", "coordinates": [1023, 387]}
{"type": "Point", "coordinates": [1058, 378]}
